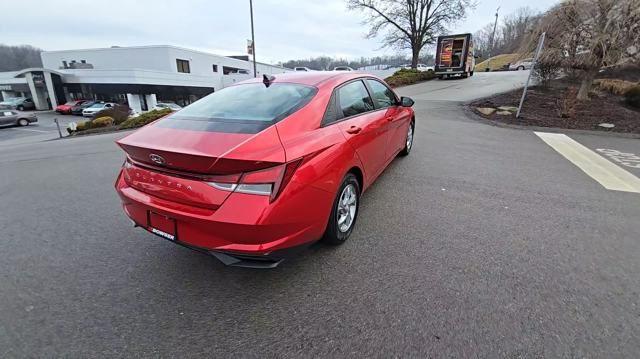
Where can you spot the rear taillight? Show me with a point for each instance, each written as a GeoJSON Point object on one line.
{"type": "Point", "coordinates": [268, 182]}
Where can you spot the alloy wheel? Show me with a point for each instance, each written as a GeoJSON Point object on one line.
{"type": "Point", "coordinates": [347, 206]}
{"type": "Point", "coordinates": [409, 137]}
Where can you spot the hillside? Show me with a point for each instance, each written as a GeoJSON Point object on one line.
{"type": "Point", "coordinates": [497, 61]}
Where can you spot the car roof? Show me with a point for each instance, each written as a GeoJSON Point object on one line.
{"type": "Point", "coordinates": [310, 78]}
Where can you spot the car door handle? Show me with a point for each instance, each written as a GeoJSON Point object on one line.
{"type": "Point", "coordinates": [354, 129]}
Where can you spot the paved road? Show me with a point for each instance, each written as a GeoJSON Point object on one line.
{"type": "Point", "coordinates": [481, 84]}
{"type": "Point", "coordinates": [484, 242]}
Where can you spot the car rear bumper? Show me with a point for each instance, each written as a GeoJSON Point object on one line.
{"type": "Point", "coordinates": [247, 230]}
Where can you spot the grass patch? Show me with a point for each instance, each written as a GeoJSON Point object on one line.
{"type": "Point", "coordinates": [405, 77]}
{"type": "Point", "coordinates": [497, 62]}
{"type": "Point", "coordinates": [615, 86]}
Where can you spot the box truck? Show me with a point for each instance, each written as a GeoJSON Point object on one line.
{"type": "Point", "coordinates": [454, 56]}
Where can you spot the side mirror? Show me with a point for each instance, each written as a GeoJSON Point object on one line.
{"type": "Point", "coordinates": [406, 101]}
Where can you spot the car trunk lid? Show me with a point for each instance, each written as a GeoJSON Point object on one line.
{"type": "Point", "coordinates": [181, 165]}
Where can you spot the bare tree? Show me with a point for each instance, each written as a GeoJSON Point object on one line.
{"type": "Point", "coordinates": [327, 63]}
{"type": "Point", "coordinates": [585, 36]}
{"type": "Point", "coordinates": [20, 57]}
{"type": "Point", "coordinates": [482, 40]}
{"type": "Point", "coordinates": [510, 34]}
{"type": "Point", "coordinates": [411, 24]}
{"type": "Point", "coordinates": [515, 27]}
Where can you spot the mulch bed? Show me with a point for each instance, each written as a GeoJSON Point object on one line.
{"type": "Point", "coordinates": [553, 107]}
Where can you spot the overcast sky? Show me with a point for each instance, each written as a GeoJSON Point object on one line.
{"type": "Point", "coordinates": [285, 29]}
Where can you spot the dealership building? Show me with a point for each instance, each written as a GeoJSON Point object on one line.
{"type": "Point", "coordinates": [140, 76]}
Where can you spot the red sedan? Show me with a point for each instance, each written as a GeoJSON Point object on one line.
{"type": "Point", "coordinates": [262, 168]}
{"type": "Point", "coordinates": [66, 108]}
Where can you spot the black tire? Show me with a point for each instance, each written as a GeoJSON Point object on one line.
{"type": "Point", "coordinates": [408, 146]}
{"type": "Point", "coordinates": [20, 108]}
{"type": "Point", "coordinates": [333, 234]}
{"type": "Point", "coordinates": [465, 75]}
{"type": "Point", "coordinates": [440, 77]}
{"type": "Point", "coordinates": [520, 68]}
{"type": "Point", "coordinates": [471, 73]}
{"type": "Point", "coordinates": [23, 122]}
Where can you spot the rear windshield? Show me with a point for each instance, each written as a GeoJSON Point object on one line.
{"type": "Point", "coordinates": [249, 102]}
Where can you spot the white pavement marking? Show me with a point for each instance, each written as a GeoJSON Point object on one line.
{"type": "Point", "coordinates": [625, 159]}
{"type": "Point", "coordinates": [28, 129]}
{"type": "Point", "coordinates": [597, 167]}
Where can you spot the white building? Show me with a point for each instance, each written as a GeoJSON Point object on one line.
{"type": "Point", "coordinates": [139, 76]}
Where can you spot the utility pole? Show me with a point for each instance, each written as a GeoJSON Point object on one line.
{"type": "Point", "coordinates": [253, 40]}
{"type": "Point", "coordinates": [493, 35]}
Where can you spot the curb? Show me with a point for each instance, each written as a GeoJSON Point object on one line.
{"type": "Point", "coordinates": [475, 116]}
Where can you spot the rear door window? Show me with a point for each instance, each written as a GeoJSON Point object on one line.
{"type": "Point", "coordinates": [354, 99]}
{"type": "Point", "coordinates": [382, 95]}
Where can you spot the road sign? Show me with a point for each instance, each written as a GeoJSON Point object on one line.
{"type": "Point", "coordinates": [249, 47]}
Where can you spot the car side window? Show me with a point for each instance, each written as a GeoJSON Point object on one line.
{"type": "Point", "coordinates": [354, 99]}
{"type": "Point", "coordinates": [382, 95]}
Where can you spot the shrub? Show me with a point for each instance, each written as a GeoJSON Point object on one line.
{"type": "Point", "coordinates": [119, 113]}
{"type": "Point", "coordinates": [614, 86]}
{"type": "Point", "coordinates": [104, 121]}
{"type": "Point", "coordinates": [497, 62]}
{"type": "Point", "coordinates": [632, 96]}
{"type": "Point", "coordinates": [83, 125]}
{"type": "Point", "coordinates": [144, 118]}
{"type": "Point", "coordinates": [404, 77]}
{"type": "Point", "coordinates": [545, 71]}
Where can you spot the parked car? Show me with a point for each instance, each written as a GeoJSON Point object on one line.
{"type": "Point", "coordinates": [18, 103]}
{"type": "Point", "coordinates": [342, 68]}
{"type": "Point", "coordinates": [420, 67]}
{"type": "Point", "coordinates": [258, 169]}
{"type": "Point", "coordinates": [521, 65]}
{"type": "Point", "coordinates": [96, 107]}
{"type": "Point", "coordinates": [77, 110]}
{"type": "Point", "coordinates": [423, 67]}
{"type": "Point", "coordinates": [66, 108]}
{"type": "Point", "coordinates": [302, 69]}
{"type": "Point", "coordinates": [11, 117]}
{"type": "Point", "coordinates": [169, 105]}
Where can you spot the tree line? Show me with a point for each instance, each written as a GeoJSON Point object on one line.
{"type": "Point", "coordinates": [510, 33]}
{"type": "Point", "coordinates": [378, 62]}
{"type": "Point", "coordinates": [14, 58]}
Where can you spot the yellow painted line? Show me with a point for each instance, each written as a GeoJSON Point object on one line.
{"type": "Point", "coordinates": [609, 175]}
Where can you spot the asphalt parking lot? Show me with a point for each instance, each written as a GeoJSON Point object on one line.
{"type": "Point", "coordinates": [44, 129]}
{"type": "Point", "coordinates": [484, 242]}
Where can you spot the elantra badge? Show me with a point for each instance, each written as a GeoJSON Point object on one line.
{"type": "Point", "coordinates": [157, 159]}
